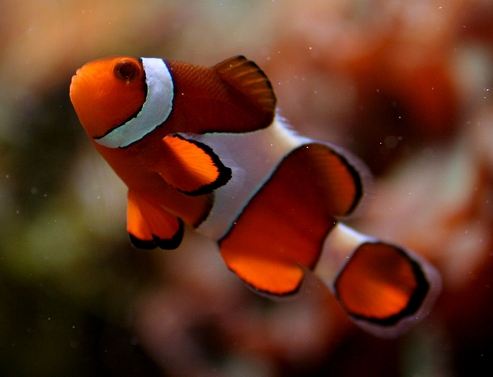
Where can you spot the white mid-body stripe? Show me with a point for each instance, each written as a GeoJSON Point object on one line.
{"type": "Point", "coordinates": [155, 110]}
{"type": "Point", "coordinates": [252, 157]}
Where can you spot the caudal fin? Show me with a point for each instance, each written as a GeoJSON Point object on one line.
{"type": "Point", "coordinates": [384, 288]}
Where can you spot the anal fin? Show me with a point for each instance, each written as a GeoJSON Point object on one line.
{"type": "Point", "coordinates": [281, 231]}
{"type": "Point", "coordinates": [150, 226]}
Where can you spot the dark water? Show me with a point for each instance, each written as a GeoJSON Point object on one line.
{"type": "Point", "coordinates": [406, 87]}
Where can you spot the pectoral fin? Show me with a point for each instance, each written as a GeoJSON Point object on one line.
{"type": "Point", "coordinates": [190, 166]}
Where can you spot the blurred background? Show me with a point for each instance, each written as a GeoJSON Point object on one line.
{"type": "Point", "coordinates": [405, 85]}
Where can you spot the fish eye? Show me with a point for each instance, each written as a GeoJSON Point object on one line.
{"type": "Point", "coordinates": [126, 70]}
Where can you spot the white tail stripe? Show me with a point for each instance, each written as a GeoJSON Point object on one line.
{"type": "Point", "coordinates": [339, 246]}
{"type": "Point", "coordinates": [155, 110]}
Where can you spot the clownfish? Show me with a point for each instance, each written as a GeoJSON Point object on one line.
{"type": "Point", "coordinates": [204, 148]}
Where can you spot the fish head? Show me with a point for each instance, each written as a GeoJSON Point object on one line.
{"type": "Point", "coordinates": [107, 92]}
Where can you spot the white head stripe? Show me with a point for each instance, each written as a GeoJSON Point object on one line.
{"type": "Point", "coordinates": [155, 110]}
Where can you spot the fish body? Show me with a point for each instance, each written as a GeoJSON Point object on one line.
{"type": "Point", "coordinates": [204, 147]}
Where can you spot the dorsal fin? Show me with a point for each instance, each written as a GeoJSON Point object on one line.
{"type": "Point", "coordinates": [281, 230]}
{"type": "Point", "coordinates": [246, 77]}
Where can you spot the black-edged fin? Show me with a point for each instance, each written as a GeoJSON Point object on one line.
{"type": "Point", "coordinates": [150, 226]}
{"type": "Point", "coordinates": [190, 166]}
{"type": "Point", "coordinates": [338, 181]}
{"type": "Point", "coordinates": [247, 79]}
{"type": "Point", "coordinates": [385, 289]}
{"type": "Point", "coordinates": [281, 231]}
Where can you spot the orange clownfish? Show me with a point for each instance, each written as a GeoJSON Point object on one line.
{"type": "Point", "coordinates": [204, 147]}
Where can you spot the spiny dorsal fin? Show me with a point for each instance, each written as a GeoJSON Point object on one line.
{"type": "Point", "coordinates": [246, 77]}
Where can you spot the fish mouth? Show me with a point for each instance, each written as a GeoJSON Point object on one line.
{"type": "Point", "coordinates": [75, 76]}
{"type": "Point", "coordinates": [76, 79]}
